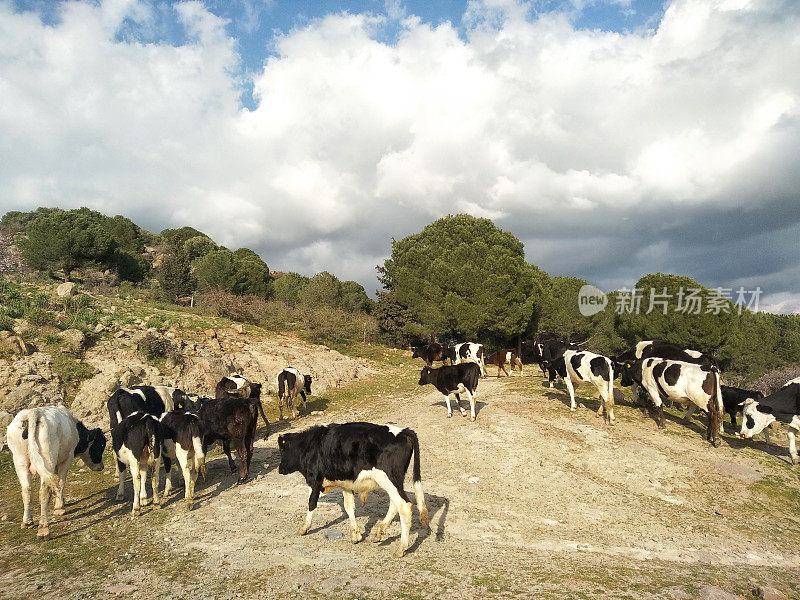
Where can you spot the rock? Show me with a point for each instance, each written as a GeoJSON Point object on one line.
{"type": "Point", "coordinates": [74, 340]}
{"type": "Point", "coordinates": [768, 593]}
{"type": "Point", "coordinates": [21, 326]}
{"type": "Point", "coordinates": [5, 419]}
{"type": "Point", "coordinates": [210, 333]}
{"type": "Point", "coordinates": [65, 289]}
{"type": "Point", "coordinates": [19, 346]}
{"type": "Point", "coordinates": [711, 592]}
{"type": "Point", "coordinates": [239, 328]}
{"type": "Point", "coordinates": [99, 328]}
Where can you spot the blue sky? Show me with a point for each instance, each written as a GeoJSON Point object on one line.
{"type": "Point", "coordinates": [614, 138]}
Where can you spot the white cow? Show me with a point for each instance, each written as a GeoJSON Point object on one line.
{"type": "Point", "coordinates": [470, 352]}
{"type": "Point", "coordinates": [586, 367]}
{"type": "Point", "coordinates": [782, 405]}
{"type": "Point", "coordinates": [45, 441]}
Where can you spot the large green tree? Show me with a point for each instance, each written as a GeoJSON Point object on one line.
{"type": "Point", "coordinates": [463, 276]}
{"type": "Point", "coordinates": [241, 272]}
{"type": "Point", "coordinates": [68, 240]}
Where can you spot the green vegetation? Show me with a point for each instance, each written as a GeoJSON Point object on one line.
{"type": "Point", "coordinates": [463, 277]}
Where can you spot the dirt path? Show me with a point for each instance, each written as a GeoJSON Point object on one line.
{"type": "Point", "coordinates": [530, 501]}
{"type": "Point", "coordinates": [528, 492]}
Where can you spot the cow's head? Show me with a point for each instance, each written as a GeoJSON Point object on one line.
{"type": "Point", "coordinates": [91, 444]}
{"type": "Point", "coordinates": [417, 352]}
{"type": "Point", "coordinates": [755, 417]}
{"type": "Point", "coordinates": [180, 400]}
{"type": "Point", "coordinates": [288, 445]}
{"type": "Point", "coordinates": [425, 375]}
{"type": "Point", "coordinates": [307, 383]}
{"type": "Point", "coordinates": [630, 370]}
{"type": "Point", "coordinates": [255, 391]}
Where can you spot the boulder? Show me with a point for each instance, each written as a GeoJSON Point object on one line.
{"type": "Point", "coordinates": [74, 340]}
{"type": "Point", "coordinates": [710, 592]}
{"type": "Point", "coordinates": [65, 290]}
{"type": "Point", "coordinates": [5, 419]}
{"type": "Point", "coordinates": [769, 593]}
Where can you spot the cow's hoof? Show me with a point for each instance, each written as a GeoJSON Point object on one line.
{"type": "Point", "coordinates": [43, 532]}
{"type": "Point", "coordinates": [303, 531]}
{"type": "Point", "coordinates": [400, 552]}
{"type": "Point", "coordinates": [449, 415]}
{"type": "Point", "coordinates": [241, 480]}
{"type": "Point", "coordinates": [190, 505]}
{"type": "Point", "coordinates": [795, 460]}
{"type": "Point", "coordinates": [472, 418]}
{"type": "Point", "coordinates": [144, 501]}
{"type": "Point", "coordinates": [25, 525]}
{"type": "Point", "coordinates": [119, 497]}
{"type": "Point", "coordinates": [59, 512]}
{"type": "Point", "coordinates": [464, 413]}
{"type": "Point", "coordinates": [715, 443]}
{"type": "Point", "coordinates": [355, 536]}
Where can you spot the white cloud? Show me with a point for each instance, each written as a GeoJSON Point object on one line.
{"type": "Point", "coordinates": [556, 133]}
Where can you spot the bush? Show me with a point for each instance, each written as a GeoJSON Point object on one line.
{"type": "Point", "coordinates": [246, 309]}
{"type": "Point", "coordinates": [155, 347]}
{"type": "Point", "coordinates": [6, 322]}
{"type": "Point", "coordinates": [328, 325]}
{"type": "Point", "coordinates": [775, 379]}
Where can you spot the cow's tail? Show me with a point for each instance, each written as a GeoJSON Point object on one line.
{"type": "Point", "coordinates": [39, 462]}
{"type": "Point", "coordinates": [417, 476]}
{"type": "Point", "coordinates": [196, 431]}
{"type": "Point", "coordinates": [281, 384]}
{"type": "Point", "coordinates": [716, 409]}
{"type": "Point", "coordinates": [263, 416]}
{"type": "Point", "coordinates": [153, 447]}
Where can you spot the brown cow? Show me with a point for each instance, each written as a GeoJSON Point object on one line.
{"type": "Point", "coordinates": [501, 358]}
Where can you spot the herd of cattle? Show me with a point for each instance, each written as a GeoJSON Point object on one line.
{"type": "Point", "coordinates": [153, 426]}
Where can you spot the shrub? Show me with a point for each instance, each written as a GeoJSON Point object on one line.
{"type": "Point", "coordinates": [775, 379]}
{"type": "Point", "coordinates": [155, 347]}
{"type": "Point", "coordinates": [6, 322]}
{"type": "Point", "coordinates": [328, 325]}
{"type": "Point", "coordinates": [250, 309]}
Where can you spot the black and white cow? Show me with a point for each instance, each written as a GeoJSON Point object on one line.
{"type": "Point", "coordinates": [292, 382]}
{"type": "Point", "coordinates": [182, 435]}
{"type": "Point", "coordinates": [46, 441]}
{"type": "Point", "coordinates": [575, 366]}
{"type": "Point", "coordinates": [470, 352]}
{"type": "Point", "coordinates": [783, 406]}
{"type": "Point", "coordinates": [137, 441]}
{"type": "Point", "coordinates": [151, 399]}
{"type": "Point", "coordinates": [680, 382]}
{"type": "Point", "coordinates": [535, 347]}
{"type": "Point", "coordinates": [732, 400]}
{"type": "Point", "coordinates": [454, 380]}
{"type": "Point", "coordinates": [550, 351]}
{"type": "Point", "coordinates": [357, 457]}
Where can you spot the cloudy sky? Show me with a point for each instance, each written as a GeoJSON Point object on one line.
{"type": "Point", "coordinates": [613, 137]}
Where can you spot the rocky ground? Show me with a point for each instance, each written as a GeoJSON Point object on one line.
{"type": "Point", "coordinates": [529, 501]}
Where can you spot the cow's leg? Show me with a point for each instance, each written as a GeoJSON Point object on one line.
{"type": "Point", "coordinates": [313, 498]}
{"type": "Point", "coordinates": [449, 410]}
{"type": "Point", "coordinates": [350, 509]}
{"type": "Point", "coordinates": [305, 401]}
{"type": "Point", "coordinates": [226, 447]}
{"type": "Point", "coordinates": [186, 463]}
{"type": "Point", "coordinates": [461, 390]}
{"type": "Point", "coordinates": [168, 483]}
{"type": "Point", "coordinates": [137, 485]}
{"type": "Point", "coordinates": [155, 482]}
{"type": "Point", "coordinates": [62, 471]}
{"type": "Point", "coordinates": [690, 410]}
{"type": "Point", "coordinates": [380, 529]}
{"type": "Point", "coordinates": [660, 414]}
{"type": "Point", "coordinates": [792, 435]}
{"type": "Point", "coordinates": [471, 404]}
{"type": "Point", "coordinates": [568, 382]}
{"type": "Point", "coordinates": [402, 505]}
{"type": "Point", "coordinates": [121, 484]}
{"type": "Point", "coordinates": [24, 475]}
{"type": "Point", "coordinates": [44, 499]}
{"type": "Point", "coordinates": [766, 435]}
{"type": "Point", "coordinates": [280, 408]}
{"type": "Point", "coordinates": [241, 451]}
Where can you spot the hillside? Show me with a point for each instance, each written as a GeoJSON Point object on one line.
{"type": "Point", "coordinates": [140, 343]}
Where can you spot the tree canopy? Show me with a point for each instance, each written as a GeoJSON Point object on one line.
{"type": "Point", "coordinates": [463, 276]}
